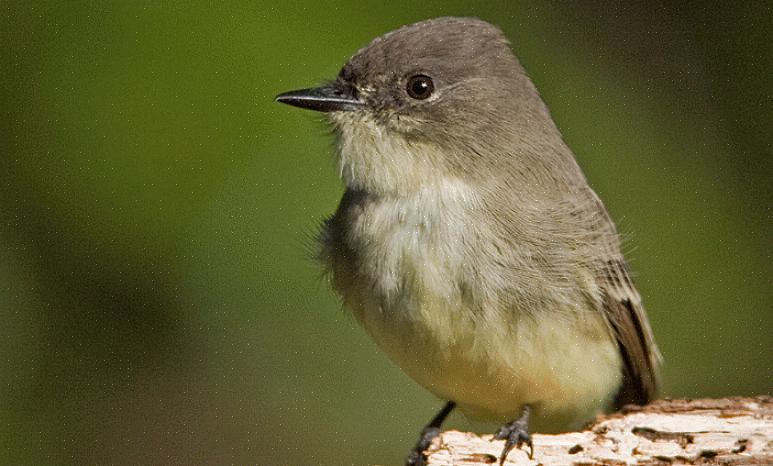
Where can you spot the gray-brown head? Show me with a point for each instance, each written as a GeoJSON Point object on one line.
{"type": "Point", "coordinates": [443, 97]}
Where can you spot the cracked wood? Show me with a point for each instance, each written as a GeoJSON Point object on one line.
{"type": "Point", "coordinates": [727, 431]}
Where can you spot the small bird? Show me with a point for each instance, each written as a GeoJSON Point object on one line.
{"type": "Point", "coordinates": [468, 242]}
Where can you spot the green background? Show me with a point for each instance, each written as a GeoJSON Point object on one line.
{"type": "Point", "coordinates": [158, 303]}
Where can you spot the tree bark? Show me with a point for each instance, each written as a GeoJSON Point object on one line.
{"type": "Point", "coordinates": [726, 431]}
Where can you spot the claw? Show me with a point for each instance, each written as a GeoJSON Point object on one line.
{"type": "Point", "coordinates": [417, 457]}
{"type": "Point", "coordinates": [515, 434]}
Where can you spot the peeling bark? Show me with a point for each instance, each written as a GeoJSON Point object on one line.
{"type": "Point", "coordinates": [726, 431]}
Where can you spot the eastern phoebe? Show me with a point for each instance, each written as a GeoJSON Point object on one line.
{"type": "Point", "coordinates": [468, 242]}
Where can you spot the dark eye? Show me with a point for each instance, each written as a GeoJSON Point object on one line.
{"type": "Point", "coordinates": [420, 87]}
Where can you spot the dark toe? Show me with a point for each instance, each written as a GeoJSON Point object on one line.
{"type": "Point", "coordinates": [514, 435]}
{"type": "Point", "coordinates": [417, 457]}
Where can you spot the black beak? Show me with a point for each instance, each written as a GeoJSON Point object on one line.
{"type": "Point", "coordinates": [327, 98]}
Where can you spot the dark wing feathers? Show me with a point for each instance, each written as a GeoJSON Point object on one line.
{"type": "Point", "coordinates": [625, 314]}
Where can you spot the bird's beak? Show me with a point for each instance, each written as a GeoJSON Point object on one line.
{"type": "Point", "coordinates": [328, 98]}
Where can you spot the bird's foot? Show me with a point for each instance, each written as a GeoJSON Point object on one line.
{"type": "Point", "coordinates": [417, 457]}
{"type": "Point", "coordinates": [515, 434]}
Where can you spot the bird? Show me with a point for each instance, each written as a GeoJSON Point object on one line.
{"type": "Point", "coordinates": [468, 243]}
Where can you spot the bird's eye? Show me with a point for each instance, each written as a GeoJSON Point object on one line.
{"type": "Point", "coordinates": [420, 87]}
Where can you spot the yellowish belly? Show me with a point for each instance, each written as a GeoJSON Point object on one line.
{"type": "Point", "coordinates": [567, 369]}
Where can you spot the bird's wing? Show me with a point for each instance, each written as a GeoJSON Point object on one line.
{"type": "Point", "coordinates": [624, 311]}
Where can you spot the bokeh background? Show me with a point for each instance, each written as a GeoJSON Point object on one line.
{"type": "Point", "coordinates": [158, 304]}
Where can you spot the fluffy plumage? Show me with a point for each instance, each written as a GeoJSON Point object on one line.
{"type": "Point", "coordinates": [469, 244]}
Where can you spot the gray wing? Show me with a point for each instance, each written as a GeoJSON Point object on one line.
{"type": "Point", "coordinates": [624, 311]}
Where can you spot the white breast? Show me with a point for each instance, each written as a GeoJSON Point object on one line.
{"type": "Point", "coordinates": [416, 244]}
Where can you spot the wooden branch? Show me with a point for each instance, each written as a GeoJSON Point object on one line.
{"type": "Point", "coordinates": [727, 431]}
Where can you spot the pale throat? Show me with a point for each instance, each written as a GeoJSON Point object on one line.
{"type": "Point", "coordinates": [380, 161]}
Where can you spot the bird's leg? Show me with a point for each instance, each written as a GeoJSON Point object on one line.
{"type": "Point", "coordinates": [515, 433]}
{"type": "Point", "coordinates": [428, 434]}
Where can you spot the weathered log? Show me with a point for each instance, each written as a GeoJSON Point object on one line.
{"type": "Point", "coordinates": [727, 431]}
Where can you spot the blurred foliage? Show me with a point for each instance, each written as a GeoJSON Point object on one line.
{"type": "Point", "coordinates": [157, 300]}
